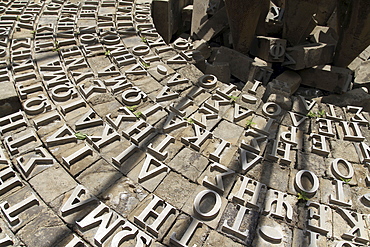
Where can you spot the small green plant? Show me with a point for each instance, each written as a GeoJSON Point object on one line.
{"type": "Point", "coordinates": [80, 136]}
{"type": "Point", "coordinates": [346, 180]}
{"type": "Point", "coordinates": [249, 123]}
{"type": "Point", "coordinates": [56, 46]}
{"type": "Point", "coordinates": [303, 196]}
{"type": "Point", "coordinates": [76, 33]}
{"type": "Point", "coordinates": [138, 114]}
{"type": "Point", "coordinates": [233, 99]}
{"type": "Point", "coordinates": [34, 31]}
{"type": "Point", "coordinates": [132, 108]}
{"type": "Point", "coordinates": [143, 39]}
{"type": "Point", "coordinates": [311, 114]}
{"type": "Point", "coordinates": [107, 53]}
{"type": "Point", "coordinates": [145, 65]}
{"type": "Point", "coordinates": [189, 120]}
{"type": "Point", "coordinates": [321, 114]}
{"type": "Point", "coordinates": [18, 18]}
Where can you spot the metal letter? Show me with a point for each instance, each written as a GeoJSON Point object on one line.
{"type": "Point", "coordinates": [319, 147]}
{"type": "Point", "coordinates": [183, 242]}
{"type": "Point", "coordinates": [77, 156]}
{"type": "Point", "coordinates": [279, 200]}
{"type": "Point", "coordinates": [293, 117]}
{"type": "Point", "coordinates": [201, 135]}
{"type": "Point", "coordinates": [364, 152]}
{"type": "Point", "coordinates": [290, 136]}
{"type": "Point", "coordinates": [276, 112]}
{"type": "Point", "coordinates": [319, 217]}
{"type": "Point", "coordinates": [141, 130]}
{"type": "Point", "coordinates": [307, 105]}
{"type": "Point", "coordinates": [8, 180]}
{"type": "Point", "coordinates": [313, 236]}
{"type": "Point", "coordinates": [90, 119]}
{"type": "Point", "coordinates": [219, 185]}
{"type": "Point", "coordinates": [357, 221]}
{"type": "Point", "coordinates": [145, 174]}
{"type": "Point", "coordinates": [166, 94]}
{"type": "Point", "coordinates": [252, 193]}
{"type": "Point", "coordinates": [76, 201]}
{"type": "Point", "coordinates": [276, 150]}
{"type": "Point", "coordinates": [333, 115]}
{"type": "Point", "coordinates": [325, 127]}
{"type": "Point", "coordinates": [12, 122]}
{"type": "Point", "coordinates": [108, 136]}
{"type": "Point", "coordinates": [36, 105]}
{"type": "Point", "coordinates": [313, 179]}
{"type": "Point", "coordinates": [215, 156]}
{"type": "Point", "coordinates": [61, 136]}
{"type": "Point", "coordinates": [44, 158]}
{"type": "Point", "coordinates": [159, 217]}
{"type": "Point", "coordinates": [340, 195]}
{"type": "Point", "coordinates": [255, 86]}
{"type": "Point", "coordinates": [211, 214]}
{"type": "Point", "coordinates": [240, 112]}
{"type": "Point", "coordinates": [127, 116]}
{"type": "Point", "coordinates": [102, 216]}
{"type": "Point", "coordinates": [255, 143]}
{"type": "Point", "coordinates": [129, 231]}
{"type": "Point", "coordinates": [11, 212]}
{"type": "Point", "coordinates": [352, 131]}
{"type": "Point", "coordinates": [96, 87]}
{"type": "Point", "coordinates": [158, 152]}
{"type": "Point", "coordinates": [173, 122]}
{"type": "Point", "coordinates": [358, 116]}
{"type": "Point", "coordinates": [234, 229]}
{"type": "Point", "coordinates": [124, 155]}
{"type": "Point", "coordinates": [13, 145]}
{"type": "Point", "coordinates": [337, 173]}
{"type": "Point", "coordinates": [244, 159]}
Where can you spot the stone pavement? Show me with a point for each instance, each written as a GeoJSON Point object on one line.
{"type": "Point", "coordinates": [122, 141]}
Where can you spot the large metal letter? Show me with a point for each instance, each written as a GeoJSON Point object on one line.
{"type": "Point", "coordinates": [102, 216]}
{"type": "Point", "coordinates": [156, 204]}
{"type": "Point", "coordinates": [279, 200]}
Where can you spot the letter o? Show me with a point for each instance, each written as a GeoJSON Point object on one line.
{"type": "Point", "coordinates": [313, 179]}
{"type": "Point", "coordinates": [276, 112]}
{"type": "Point", "coordinates": [208, 81]}
{"type": "Point", "coordinates": [141, 50]}
{"type": "Point", "coordinates": [87, 38]}
{"type": "Point", "coordinates": [337, 173]}
{"type": "Point", "coordinates": [111, 39]}
{"type": "Point", "coordinates": [214, 211]}
{"type": "Point", "coordinates": [26, 17]}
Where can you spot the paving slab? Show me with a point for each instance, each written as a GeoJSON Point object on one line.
{"type": "Point", "coordinates": [175, 189]}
